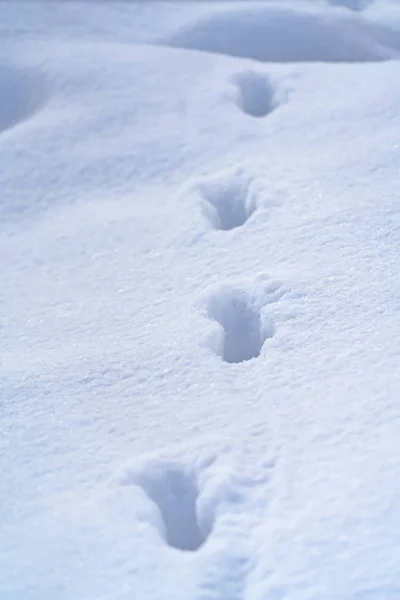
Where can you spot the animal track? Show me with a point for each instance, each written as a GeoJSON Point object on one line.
{"type": "Point", "coordinates": [244, 331]}
{"type": "Point", "coordinates": [21, 96]}
{"type": "Point", "coordinates": [174, 492]}
{"type": "Point", "coordinates": [256, 95]}
{"type": "Point", "coordinates": [229, 200]}
{"type": "Point", "coordinates": [186, 498]}
{"type": "Point", "coordinates": [285, 34]}
{"type": "Point", "coordinates": [184, 501]}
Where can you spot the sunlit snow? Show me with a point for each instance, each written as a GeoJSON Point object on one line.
{"type": "Point", "coordinates": [200, 300]}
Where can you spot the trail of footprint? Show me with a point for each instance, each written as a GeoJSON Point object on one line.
{"type": "Point", "coordinates": [22, 94]}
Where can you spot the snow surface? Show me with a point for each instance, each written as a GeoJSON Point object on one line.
{"type": "Point", "coordinates": [199, 257]}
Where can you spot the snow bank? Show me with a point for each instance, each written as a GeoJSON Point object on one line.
{"type": "Point", "coordinates": [282, 34]}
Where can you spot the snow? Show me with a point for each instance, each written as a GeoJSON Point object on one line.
{"type": "Point", "coordinates": [281, 34]}
{"type": "Point", "coordinates": [200, 365]}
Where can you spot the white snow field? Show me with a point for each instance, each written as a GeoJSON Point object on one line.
{"type": "Point", "coordinates": [200, 300]}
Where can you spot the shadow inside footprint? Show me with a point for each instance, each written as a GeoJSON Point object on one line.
{"type": "Point", "coordinates": [228, 203]}
{"type": "Point", "coordinates": [256, 95]}
{"type": "Point", "coordinates": [244, 334]}
{"type": "Point", "coordinates": [175, 493]}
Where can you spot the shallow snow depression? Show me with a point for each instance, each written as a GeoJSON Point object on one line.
{"type": "Point", "coordinates": [200, 320]}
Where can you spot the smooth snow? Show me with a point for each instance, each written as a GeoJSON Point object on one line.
{"type": "Point", "coordinates": [199, 237]}
{"type": "Point", "coordinates": [275, 33]}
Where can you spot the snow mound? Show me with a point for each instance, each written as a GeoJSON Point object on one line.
{"type": "Point", "coordinates": [356, 5]}
{"type": "Point", "coordinates": [272, 34]}
{"type": "Point", "coordinates": [22, 94]}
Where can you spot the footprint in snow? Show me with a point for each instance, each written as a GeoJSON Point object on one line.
{"type": "Point", "coordinates": [22, 94]}
{"type": "Point", "coordinates": [255, 94]}
{"type": "Point", "coordinates": [184, 499]}
{"type": "Point", "coordinates": [228, 199]}
{"type": "Point", "coordinates": [243, 325]}
{"type": "Point", "coordinates": [173, 492]}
